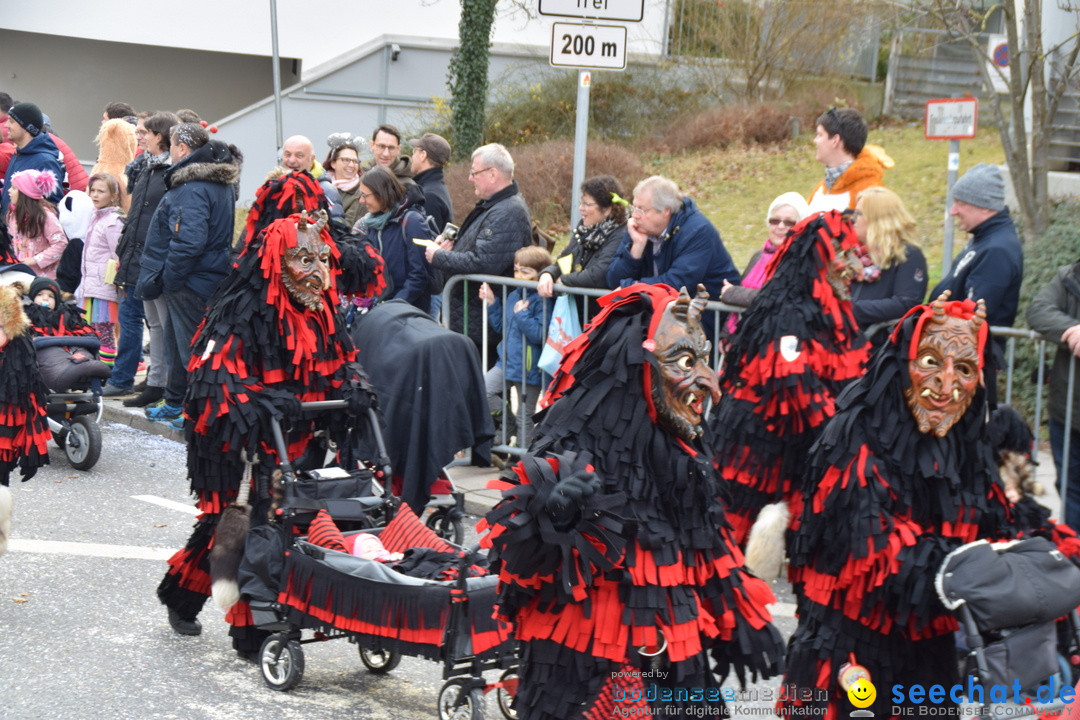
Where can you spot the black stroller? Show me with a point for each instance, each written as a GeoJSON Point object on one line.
{"type": "Point", "coordinates": [74, 406]}
{"type": "Point", "coordinates": [1017, 604]}
{"type": "Point", "coordinates": [295, 585]}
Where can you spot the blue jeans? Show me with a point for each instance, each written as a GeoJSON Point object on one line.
{"type": "Point", "coordinates": [185, 312]}
{"type": "Point", "coordinates": [1070, 512]}
{"type": "Point", "coordinates": [129, 353]}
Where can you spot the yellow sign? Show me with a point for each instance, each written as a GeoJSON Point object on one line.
{"type": "Point", "coordinates": [862, 693]}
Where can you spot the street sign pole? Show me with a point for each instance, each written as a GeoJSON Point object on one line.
{"type": "Point", "coordinates": [952, 119]}
{"type": "Point", "coordinates": [954, 167]}
{"type": "Point", "coordinates": [581, 143]}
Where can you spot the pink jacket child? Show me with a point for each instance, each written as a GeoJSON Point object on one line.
{"type": "Point", "coordinates": [36, 235]}
{"type": "Point", "coordinates": [99, 246]}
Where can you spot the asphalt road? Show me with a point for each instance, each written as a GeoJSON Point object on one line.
{"type": "Point", "coordinates": [82, 634]}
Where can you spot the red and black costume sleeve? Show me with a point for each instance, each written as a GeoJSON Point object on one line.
{"type": "Point", "coordinates": [798, 344]}
{"type": "Point", "coordinates": [253, 356]}
{"type": "Point", "coordinates": [885, 504]}
{"type": "Point", "coordinates": [650, 564]}
{"type": "Point", "coordinates": [24, 431]}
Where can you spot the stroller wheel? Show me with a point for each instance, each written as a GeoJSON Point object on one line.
{"type": "Point", "coordinates": [379, 662]}
{"type": "Point", "coordinates": [281, 661]}
{"type": "Point", "coordinates": [446, 522]}
{"type": "Point", "coordinates": [457, 703]}
{"type": "Point", "coordinates": [505, 693]}
{"type": "Point", "coordinates": [83, 443]}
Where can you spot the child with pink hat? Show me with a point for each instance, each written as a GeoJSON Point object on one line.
{"type": "Point", "coordinates": [36, 235]}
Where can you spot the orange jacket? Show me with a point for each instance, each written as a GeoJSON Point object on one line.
{"type": "Point", "coordinates": [867, 170]}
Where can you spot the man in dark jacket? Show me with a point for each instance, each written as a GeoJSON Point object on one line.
{"type": "Point", "coordinates": [991, 267]}
{"type": "Point", "coordinates": [34, 150]}
{"type": "Point", "coordinates": [1055, 313]}
{"type": "Point", "coordinates": [146, 194]}
{"type": "Point", "coordinates": [668, 240]}
{"type": "Point", "coordinates": [430, 154]}
{"type": "Point", "coordinates": [187, 250]}
{"type": "Point", "coordinates": [490, 235]}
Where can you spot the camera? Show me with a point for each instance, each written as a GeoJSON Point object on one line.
{"type": "Point", "coordinates": [450, 231]}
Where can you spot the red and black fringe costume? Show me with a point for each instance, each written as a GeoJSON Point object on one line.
{"type": "Point", "coordinates": [885, 504]}
{"type": "Point", "coordinates": [652, 558]}
{"type": "Point", "coordinates": [279, 197]}
{"type": "Point", "coordinates": [65, 320]}
{"type": "Point", "coordinates": [797, 346]}
{"type": "Point", "coordinates": [24, 432]}
{"type": "Point", "coordinates": [253, 353]}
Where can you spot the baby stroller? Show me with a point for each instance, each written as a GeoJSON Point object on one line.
{"type": "Point", "coordinates": [316, 583]}
{"type": "Point", "coordinates": [1017, 604]}
{"type": "Point", "coordinates": [72, 372]}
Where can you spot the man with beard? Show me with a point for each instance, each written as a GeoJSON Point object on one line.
{"type": "Point", "coordinates": [271, 337]}
{"type": "Point", "coordinates": [615, 560]}
{"type": "Point", "coordinates": [902, 475]}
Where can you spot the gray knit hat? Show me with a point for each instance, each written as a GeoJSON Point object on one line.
{"type": "Point", "coordinates": [981, 186]}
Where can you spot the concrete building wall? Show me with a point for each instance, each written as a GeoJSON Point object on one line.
{"type": "Point", "coordinates": [72, 79]}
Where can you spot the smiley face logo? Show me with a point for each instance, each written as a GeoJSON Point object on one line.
{"type": "Point", "coordinates": [862, 693]}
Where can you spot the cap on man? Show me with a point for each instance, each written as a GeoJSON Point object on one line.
{"type": "Point", "coordinates": [851, 165]}
{"type": "Point", "coordinates": [35, 150]}
{"type": "Point", "coordinates": [430, 153]}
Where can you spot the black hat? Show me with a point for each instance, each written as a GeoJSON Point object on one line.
{"type": "Point", "coordinates": [43, 283]}
{"type": "Point", "coordinates": [435, 146]}
{"type": "Point", "coordinates": [29, 116]}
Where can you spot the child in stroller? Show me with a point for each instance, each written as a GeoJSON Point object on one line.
{"type": "Point", "coordinates": [66, 348]}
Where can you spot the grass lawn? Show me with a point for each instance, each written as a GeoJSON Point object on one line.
{"type": "Point", "coordinates": [735, 186]}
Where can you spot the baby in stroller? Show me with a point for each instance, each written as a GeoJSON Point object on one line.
{"type": "Point", "coordinates": [69, 363]}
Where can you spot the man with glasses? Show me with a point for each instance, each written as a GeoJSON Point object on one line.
{"type": "Point", "coordinates": [668, 240]}
{"type": "Point", "coordinates": [851, 165]}
{"type": "Point", "coordinates": [492, 232]}
{"type": "Point", "coordinates": [386, 147]}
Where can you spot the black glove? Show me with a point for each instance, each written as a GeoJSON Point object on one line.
{"type": "Point", "coordinates": [278, 403]}
{"type": "Point", "coordinates": [361, 398]}
{"type": "Point", "coordinates": [563, 505]}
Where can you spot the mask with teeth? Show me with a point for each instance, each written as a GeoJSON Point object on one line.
{"type": "Point", "coordinates": [945, 369]}
{"type": "Point", "coordinates": [685, 379]}
{"type": "Point", "coordinates": [305, 268]}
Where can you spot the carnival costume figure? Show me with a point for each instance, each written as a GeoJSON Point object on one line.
{"type": "Point", "coordinates": [616, 562]}
{"type": "Point", "coordinates": [271, 338]}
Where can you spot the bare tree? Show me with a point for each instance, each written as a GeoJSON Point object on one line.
{"type": "Point", "coordinates": [1042, 73]}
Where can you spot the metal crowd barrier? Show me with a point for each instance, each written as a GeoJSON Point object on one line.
{"type": "Point", "coordinates": [505, 285]}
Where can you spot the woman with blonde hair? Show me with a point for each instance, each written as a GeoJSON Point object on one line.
{"type": "Point", "coordinates": [894, 275]}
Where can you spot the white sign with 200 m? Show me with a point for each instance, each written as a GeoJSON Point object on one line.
{"type": "Point", "coordinates": [582, 45]}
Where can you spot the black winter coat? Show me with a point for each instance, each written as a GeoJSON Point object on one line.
{"type": "Point", "coordinates": [146, 194]}
{"type": "Point", "coordinates": [436, 197]}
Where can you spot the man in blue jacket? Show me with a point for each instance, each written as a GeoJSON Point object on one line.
{"type": "Point", "coordinates": [34, 149]}
{"type": "Point", "coordinates": [187, 250]}
{"type": "Point", "coordinates": [668, 240]}
{"type": "Point", "coordinates": [991, 266]}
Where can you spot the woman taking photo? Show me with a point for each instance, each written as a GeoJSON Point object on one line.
{"type": "Point", "coordinates": [391, 224]}
{"type": "Point", "coordinates": [343, 174]}
{"type": "Point", "coordinates": [894, 277]}
{"type": "Point", "coordinates": [595, 239]}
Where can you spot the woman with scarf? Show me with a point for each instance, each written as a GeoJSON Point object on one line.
{"type": "Point", "coordinates": [784, 213]}
{"type": "Point", "coordinates": [343, 174]}
{"type": "Point", "coordinates": [394, 219]}
{"type": "Point", "coordinates": [594, 242]}
{"type": "Point", "coordinates": [893, 279]}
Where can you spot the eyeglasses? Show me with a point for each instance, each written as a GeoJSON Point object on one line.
{"type": "Point", "coordinates": [473, 173]}
{"type": "Point", "coordinates": [638, 210]}
{"type": "Point", "coordinates": [348, 161]}
{"type": "Point", "coordinates": [857, 214]}
{"type": "Point", "coordinates": [363, 195]}
{"type": "Point", "coordinates": [588, 204]}
{"type": "Point", "coordinates": [386, 148]}
{"type": "Point", "coordinates": [781, 221]}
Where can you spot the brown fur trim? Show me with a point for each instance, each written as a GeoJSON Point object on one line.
{"type": "Point", "coordinates": [221, 173]}
{"type": "Point", "coordinates": [13, 319]}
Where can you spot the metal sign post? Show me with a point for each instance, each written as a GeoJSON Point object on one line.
{"type": "Point", "coordinates": [588, 46]}
{"type": "Point", "coordinates": [952, 119]}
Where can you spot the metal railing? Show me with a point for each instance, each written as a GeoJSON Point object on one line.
{"type": "Point", "coordinates": [505, 285]}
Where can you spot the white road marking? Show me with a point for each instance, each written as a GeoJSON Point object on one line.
{"type": "Point", "coordinates": [59, 547]}
{"type": "Point", "coordinates": [171, 504]}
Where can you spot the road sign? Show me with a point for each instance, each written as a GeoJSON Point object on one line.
{"type": "Point", "coordinates": [625, 10]}
{"type": "Point", "coordinates": [580, 45]}
{"type": "Point", "coordinates": [951, 118]}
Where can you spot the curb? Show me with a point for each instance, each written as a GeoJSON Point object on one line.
{"type": "Point", "coordinates": [113, 410]}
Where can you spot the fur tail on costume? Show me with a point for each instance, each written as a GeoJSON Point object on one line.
{"type": "Point", "coordinates": [5, 517]}
{"type": "Point", "coordinates": [765, 548]}
{"type": "Point", "coordinates": [228, 550]}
